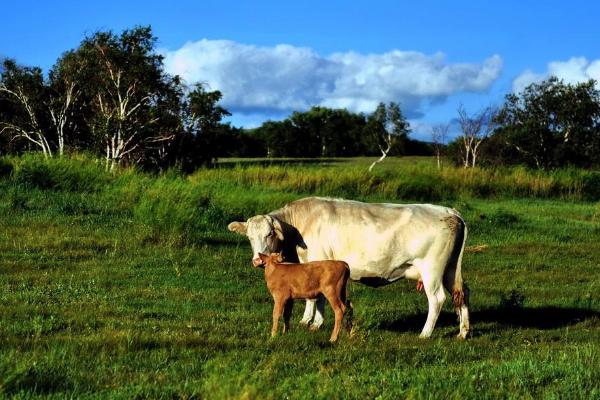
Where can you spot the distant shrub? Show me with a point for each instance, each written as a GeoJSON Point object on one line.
{"type": "Point", "coordinates": [33, 172]}
{"type": "Point", "coordinates": [17, 199]}
{"type": "Point", "coordinates": [591, 186]}
{"type": "Point", "coordinates": [6, 168]}
{"type": "Point", "coordinates": [60, 174]}
{"type": "Point", "coordinates": [175, 208]}
{"type": "Point", "coordinates": [504, 218]}
{"type": "Point", "coordinates": [427, 188]}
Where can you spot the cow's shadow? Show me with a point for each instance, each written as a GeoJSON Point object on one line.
{"type": "Point", "coordinates": [542, 318]}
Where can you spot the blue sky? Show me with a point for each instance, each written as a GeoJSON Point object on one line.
{"type": "Point", "coordinates": [271, 57]}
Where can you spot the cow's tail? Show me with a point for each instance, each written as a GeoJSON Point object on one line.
{"type": "Point", "coordinates": [458, 286]}
{"type": "Point", "coordinates": [349, 308]}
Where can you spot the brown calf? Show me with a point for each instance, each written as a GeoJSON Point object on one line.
{"type": "Point", "coordinates": [287, 282]}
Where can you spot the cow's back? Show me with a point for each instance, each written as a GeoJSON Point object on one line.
{"type": "Point", "coordinates": [375, 239]}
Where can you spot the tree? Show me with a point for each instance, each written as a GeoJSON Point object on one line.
{"type": "Point", "coordinates": [438, 137]}
{"type": "Point", "coordinates": [24, 88]}
{"type": "Point", "coordinates": [386, 125]}
{"type": "Point", "coordinates": [201, 120]}
{"type": "Point", "coordinates": [63, 100]}
{"type": "Point", "coordinates": [127, 96]}
{"type": "Point", "coordinates": [111, 96]}
{"type": "Point", "coordinates": [552, 124]}
{"type": "Point", "coordinates": [475, 129]}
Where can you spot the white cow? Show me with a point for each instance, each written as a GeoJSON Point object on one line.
{"type": "Point", "coordinates": [380, 242]}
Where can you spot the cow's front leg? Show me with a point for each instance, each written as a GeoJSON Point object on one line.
{"type": "Point", "coordinates": [309, 312]}
{"type": "Point", "coordinates": [318, 319]}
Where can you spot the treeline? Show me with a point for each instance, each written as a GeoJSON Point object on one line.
{"type": "Point", "coordinates": [325, 132]}
{"type": "Point", "coordinates": [111, 97]}
{"type": "Point", "coordinates": [548, 125]}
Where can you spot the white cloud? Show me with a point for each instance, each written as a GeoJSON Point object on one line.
{"type": "Point", "coordinates": [574, 70]}
{"type": "Point", "coordinates": [283, 78]}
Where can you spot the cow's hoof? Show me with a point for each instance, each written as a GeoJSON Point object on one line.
{"type": "Point", "coordinates": [314, 327]}
{"type": "Point", "coordinates": [462, 335]}
{"type": "Point", "coordinates": [305, 322]}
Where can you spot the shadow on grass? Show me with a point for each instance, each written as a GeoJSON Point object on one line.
{"type": "Point", "coordinates": [542, 318]}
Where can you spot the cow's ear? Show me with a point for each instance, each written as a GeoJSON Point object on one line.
{"type": "Point", "coordinates": [278, 229]}
{"type": "Point", "coordinates": [238, 227]}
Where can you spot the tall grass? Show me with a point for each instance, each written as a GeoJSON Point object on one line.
{"type": "Point", "coordinates": [418, 181]}
{"type": "Point", "coordinates": [187, 209]}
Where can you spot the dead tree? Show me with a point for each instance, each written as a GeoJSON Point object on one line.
{"type": "Point", "coordinates": [475, 129]}
{"type": "Point", "coordinates": [438, 137]}
{"type": "Point", "coordinates": [387, 125]}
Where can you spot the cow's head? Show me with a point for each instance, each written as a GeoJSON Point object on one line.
{"type": "Point", "coordinates": [265, 235]}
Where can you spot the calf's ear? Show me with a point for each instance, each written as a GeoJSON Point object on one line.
{"type": "Point", "coordinates": [263, 257]}
{"type": "Point", "coordinates": [238, 227]}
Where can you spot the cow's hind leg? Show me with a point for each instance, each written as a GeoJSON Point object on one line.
{"type": "Point", "coordinates": [314, 313]}
{"type": "Point", "coordinates": [463, 314]}
{"type": "Point", "coordinates": [435, 297]}
{"type": "Point", "coordinates": [460, 298]}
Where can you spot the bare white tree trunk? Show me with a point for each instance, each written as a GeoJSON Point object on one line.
{"type": "Point", "coordinates": [475, 130]}
{"type": "Point", "coordinates": [438, 137]}
{"type": "Point", "coordinates": [384, 153]}
{"type": "Point", "coordinates": [60, 112]}
{"type": "Point", "coordinates": [119, 107]}
{"type": "Point", "coordinates": [33, 133]}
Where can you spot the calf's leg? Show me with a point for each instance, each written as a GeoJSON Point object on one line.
{"type": "Point", "coordinates": [287, 313]}
{"type": "Point", "coordinates": [277, 310]}
{"type": "Point", "coordinates": [338, 309]}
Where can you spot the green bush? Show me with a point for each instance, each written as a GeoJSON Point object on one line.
{"type": "Point", "coordinates": [175, 209]}
{"type": "Point", "coordinates": [591, 186]}
{"type": "Point", "coordinates": [71, 174]}
{"type": "Point", "coordinates": [6, 168]}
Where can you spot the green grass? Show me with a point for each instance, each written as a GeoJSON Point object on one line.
{"type": "Point", "coordinates": [129, 286]}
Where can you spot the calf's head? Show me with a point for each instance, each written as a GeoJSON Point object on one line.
{"type": "Point", "coordinates": [272, 258]}
{"type": "Point", "coordinates": [265, 235]}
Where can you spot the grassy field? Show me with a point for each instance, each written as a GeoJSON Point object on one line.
{"type": "Point", "coordinates": [129, 286]}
